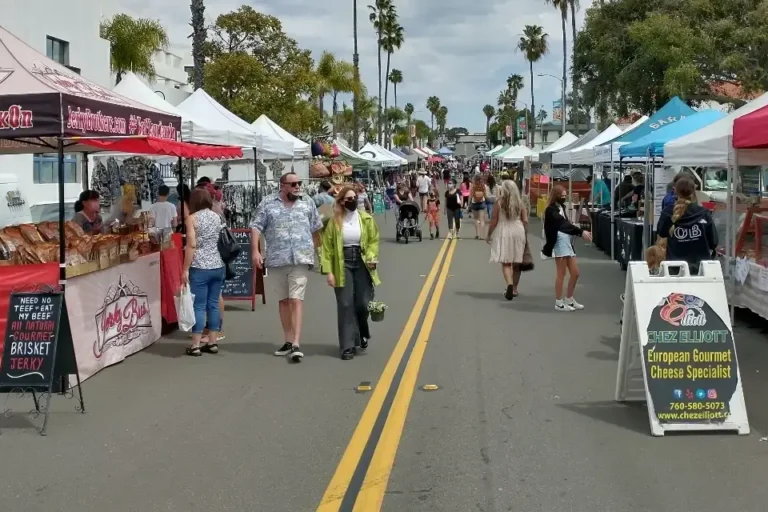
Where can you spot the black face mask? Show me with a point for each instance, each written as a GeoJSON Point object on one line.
{"type": "Point", "coordinates": [350, 205]}
{"type": "Point", "coordinates": [291, 196]}
{"type": "Point", "coordinates": [561, 201]}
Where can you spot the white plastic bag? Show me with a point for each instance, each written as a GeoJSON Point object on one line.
{"type": "Point", "coordinates": [185, 308]}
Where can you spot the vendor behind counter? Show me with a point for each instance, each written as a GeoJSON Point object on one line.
{"type": "Point", "coordinates": [87, 212]}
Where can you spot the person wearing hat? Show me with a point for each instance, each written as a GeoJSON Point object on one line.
{"type": "Point", "coordinates": [423, 183]}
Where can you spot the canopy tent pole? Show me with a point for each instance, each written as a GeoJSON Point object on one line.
{"type": "Point", "coordinates": [570, 192]}
{"type": "Point", "coordinates": [62, 241]}
{"type": "Point", "coordinates": [613, 207]}
{"type": "Point", "coordinates": [85, 179]}
{"type": "Point", "coordinates": [731, 228]}
{"type": "Point", "coordinates": [256, 175]}
{"type": "Point", "coordinates": [182, 199]}
{"type": "Point", "coordinates": [650, 164]}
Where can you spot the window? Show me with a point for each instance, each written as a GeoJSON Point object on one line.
{"type": "Point", "coordinates": [57, 50]}
{"type": "Point", "coordinates": [546, 135]}
{"type": "Point", "coordinates": [45, 169]}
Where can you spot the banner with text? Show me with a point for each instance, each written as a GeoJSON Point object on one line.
{"type": "Point", "coordinates": [557, 110]}
{"type": "Point", "coordinates": [114, 313]}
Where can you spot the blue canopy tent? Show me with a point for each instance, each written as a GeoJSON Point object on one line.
{"type": "Point", "coordinates": [672, 112]}
{"type": "Point", "coordinates": [609, 152]}
{"type": "Point", "coordinates": [445, 151]}
{"type": "Point", "coordinates": [652, 144]}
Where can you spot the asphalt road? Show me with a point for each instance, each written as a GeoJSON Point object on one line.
{"type": "Point", "coordinates": [523, 417]}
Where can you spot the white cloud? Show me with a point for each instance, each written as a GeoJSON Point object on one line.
{"type": "Point", "coordinates": [460, 51]}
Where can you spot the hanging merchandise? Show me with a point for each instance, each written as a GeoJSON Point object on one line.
{"type": "Point", "coordinates": [277, 168]}
{"type": "Point", "coordinates": [225, 168]}
{"type": "Point", "coordinates": [334, 151]}
{"type": "Point", "coordinates": [319, 170]}
{"type": "Point", "coordinates": [317, 148]}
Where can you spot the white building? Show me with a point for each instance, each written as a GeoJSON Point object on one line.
{"type": "Point", "coordinates": [67, 32]}
{"type": "Point", "coordinates": [171, 78]}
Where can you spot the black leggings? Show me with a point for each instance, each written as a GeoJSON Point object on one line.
{"type": "Point", "coordinates": [454, 218]}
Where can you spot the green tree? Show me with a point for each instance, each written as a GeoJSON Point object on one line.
{"type": "Point", "coordinates": [433, 106]}
{"type": "Point", "coordinates": [534, 45]}
{"type": "Point", "coordinates": [334, 76]}
{"type": "Point", "coordinates": [133, 43]}
{"type": "Point", "coordinates": [423, 132]}
{"type": "Point", "coordinates": [253, 67]}
{"type": "Point", "coordinates": [489, 112]}
{"type": "Point", "coordinates": [562, 7]}
{"type": "Point", "coordinates": [395, 118]}
{"type": "Point", "coordinates": [409, 114]}
{"type": "Point", "coordinates": [396, 77]}
{"type": "Point", "coordinates": [442, 119]}
{"type": "Point", "coordinates": [379, 18]}
{"type": "Point", "coordinates": [199, 35]}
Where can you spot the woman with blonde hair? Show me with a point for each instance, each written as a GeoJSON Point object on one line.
{"type": "Point", "coordinates": [349, 257]}
{"type": "Point", "coordinates": [558, 231]}
{"type": "Point", "coordinates": [508, 241]}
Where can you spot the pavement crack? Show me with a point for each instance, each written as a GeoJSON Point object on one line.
{"type": "Point", "coordinates": [484, 454]}
{"type": "Point", "coordinates": [507, 411]}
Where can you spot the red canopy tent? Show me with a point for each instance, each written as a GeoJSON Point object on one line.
{"type": "Point", "coordinates": [155, 146]}
{"type": "Point", "coordinates": [750, 131]}
{"type": "Point", "coordinates": [434, 159]}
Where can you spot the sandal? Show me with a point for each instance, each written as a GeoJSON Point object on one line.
{"type": "Point", "coordinates": [211, 348]}
{"type": "Point", "coordinates": [194, 351]}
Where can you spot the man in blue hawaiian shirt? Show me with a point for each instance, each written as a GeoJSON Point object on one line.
{"type": "Point", "coordinates": [290, 225]}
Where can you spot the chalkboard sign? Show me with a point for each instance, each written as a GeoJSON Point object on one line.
{"type": "Point", "coordinates": [690, 362]}
{"type": "Point", "coordinates": [38, 352]}
{"type": "Point", "coordinates": [246, 284]}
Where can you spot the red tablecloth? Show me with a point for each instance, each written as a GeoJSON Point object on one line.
{"type": "Point", "coordinates": [170, 281]}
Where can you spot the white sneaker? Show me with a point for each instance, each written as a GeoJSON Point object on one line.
{"type": "Point", "coordinates": [562, 306]}
{"type": "Point", "coordinates": [575, 305]}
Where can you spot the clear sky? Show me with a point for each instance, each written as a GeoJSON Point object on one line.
{"type": "Point", "coordinates": [457, 50]}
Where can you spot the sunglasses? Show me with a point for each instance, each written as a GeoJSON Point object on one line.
{"type": "Point", "coordinates": [294, 184]}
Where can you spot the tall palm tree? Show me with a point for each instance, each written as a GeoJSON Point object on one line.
{"type": "Point", "coordinates": [396, 77]}
{"type": "Point", "coordinates": [409, 114]}
{"type": "Point", "coordinates": [324, 71]}
{"type": "Point", "coordinates": [515, 82]}
{"type": "Point", "coordinates": [393, 39]}
{"type": "Point", "coordinates": [533, 44]}
{"type": "Point", "coordinates": [378, 17]}
{"type": "Point", "coordinates": [342, 80]}
{"type": "Point", "coordinates": [574, 5]}
{"type": "Point", "coordinates": [442, 118]}
{"type": "Point", "coordinates": [133, 42]}
{"type": "Point", "coordinates": [488, 111]}
{"type": "Point", "coordinates": [199, 35]}
{"type": "Point", "coordinates": [433, 105]}
{"type": "Point", "coordinates": [562, 6]}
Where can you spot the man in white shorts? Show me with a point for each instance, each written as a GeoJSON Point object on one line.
{"type": "Point", "coordinates": [290, 225]}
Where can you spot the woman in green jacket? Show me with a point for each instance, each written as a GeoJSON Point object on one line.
{"type": "Point", "coordinates": [349, 257]}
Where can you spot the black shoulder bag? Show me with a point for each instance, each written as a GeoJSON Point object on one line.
{"type": "Point", "coordinates": [229, 248]}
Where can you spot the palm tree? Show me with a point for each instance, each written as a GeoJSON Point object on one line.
{"type": "Point", "coordinates": [342, 80]}
{"type": "Point", "coordinates": [378, 17]}
{"type": "Point", "coordinates": [133, 42]}
{"type": "Point", "coordinates": [489, 111]}
{"type": "Point", "coordinates": [396, 77]}
{"type": "Point", "coordinates": [392, 40]}
{"type": "Point", "coordinates": [324, 72]}
{"type": "Point", "coordinates": [409, 113]}
{"type": "Point", "coordinates": [533, 44]}
{"type": "Point", "coordinates": [574, 4]}
{"type": "Point", "coordinates": [433, 105]}
{"type": "Point", "coordinates": [562, 6]}
{"type": "Point", "coordinates": [540, 117]}
{"type": "Point", "coordinates": [199, 35]}
{"type": "Point", "coordinates": [442, 118]}
{"type": "Point", "coordinates": [514, 84]}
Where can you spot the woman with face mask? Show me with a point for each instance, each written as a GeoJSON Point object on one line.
{"type": "Point", "coordinates": [349, 257]}
{"type": "Point", "coordinates": [453, 204]}
{"type": "Point", "coordinates": [558, 231]}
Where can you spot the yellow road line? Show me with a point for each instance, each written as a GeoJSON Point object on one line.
{"type": "Point", "coordinates": [374, 486]}
{"type": "Point", "coordinates": [339, 484]}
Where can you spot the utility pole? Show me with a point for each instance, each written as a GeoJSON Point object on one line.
{"type": "Point", "coordinates": [356, 63]}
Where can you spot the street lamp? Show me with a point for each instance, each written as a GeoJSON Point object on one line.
{"type": "Point", "coordinates": [355, 98]}
{"type": "Point", "coordinates": [562, 105]}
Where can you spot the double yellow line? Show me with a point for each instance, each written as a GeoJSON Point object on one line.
{"type": "Point", "coordinates": [361, 478]}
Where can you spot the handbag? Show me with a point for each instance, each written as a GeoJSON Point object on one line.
{"type": "Point", "coordinates": [229, 247]}
{"type": "Point", "coordinates": [527, 264]}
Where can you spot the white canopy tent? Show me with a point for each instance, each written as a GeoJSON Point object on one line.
{"type": "Point", "coordinates": [387, 152]}
{"type": "Point", "coordinates": [428, 151]}
{"type": "Point", "coordinates": [565, 157]}
{"type": "Point", "coordinates": [610, 152]}
{"type": "Point", "coordinates": [711, 146]}
{"type": "Point", "coordinates": [420, 152]}
{"type": "Point", "coordinates": [517, 154]}
{"type": "Point", "coordinates": [566, 139]}
{"type": "Point", "coordinates": [267, 128]}
{"type": "Point", "coordinates": [585, 154]}
{"type": "Point", "coordinates": [489, 153]}
{"type": "Point", "coordinates": [214, 118]}
{"type": "Point", "coordinates": [354, 158]}
{"type": "Point", "coordinates": [386, 160]}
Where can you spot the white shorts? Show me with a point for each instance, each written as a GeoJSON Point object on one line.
{"type": "Point", "coordinates": [288, 282]}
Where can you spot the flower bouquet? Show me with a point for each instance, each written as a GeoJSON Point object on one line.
{"type": "Point", "coordinates": [376, 309]}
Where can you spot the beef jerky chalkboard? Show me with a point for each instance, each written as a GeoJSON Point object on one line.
{"type": "Point", "coordinates": [38, 354]}
{"type": "Point", "coordinates": [246, 284]}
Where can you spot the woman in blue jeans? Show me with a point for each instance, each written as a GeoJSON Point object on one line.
{"type": "Point", "coordinates": [204, 269]}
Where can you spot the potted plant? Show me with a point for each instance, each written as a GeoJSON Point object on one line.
{"type": "Point", "coordinates": [376, 309]}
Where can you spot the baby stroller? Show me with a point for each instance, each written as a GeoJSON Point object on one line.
{"type": "Point", "coordinates": [408, 222]}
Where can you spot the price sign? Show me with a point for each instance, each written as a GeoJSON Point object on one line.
{"type": "Point", "coordinates": [246, 284]}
